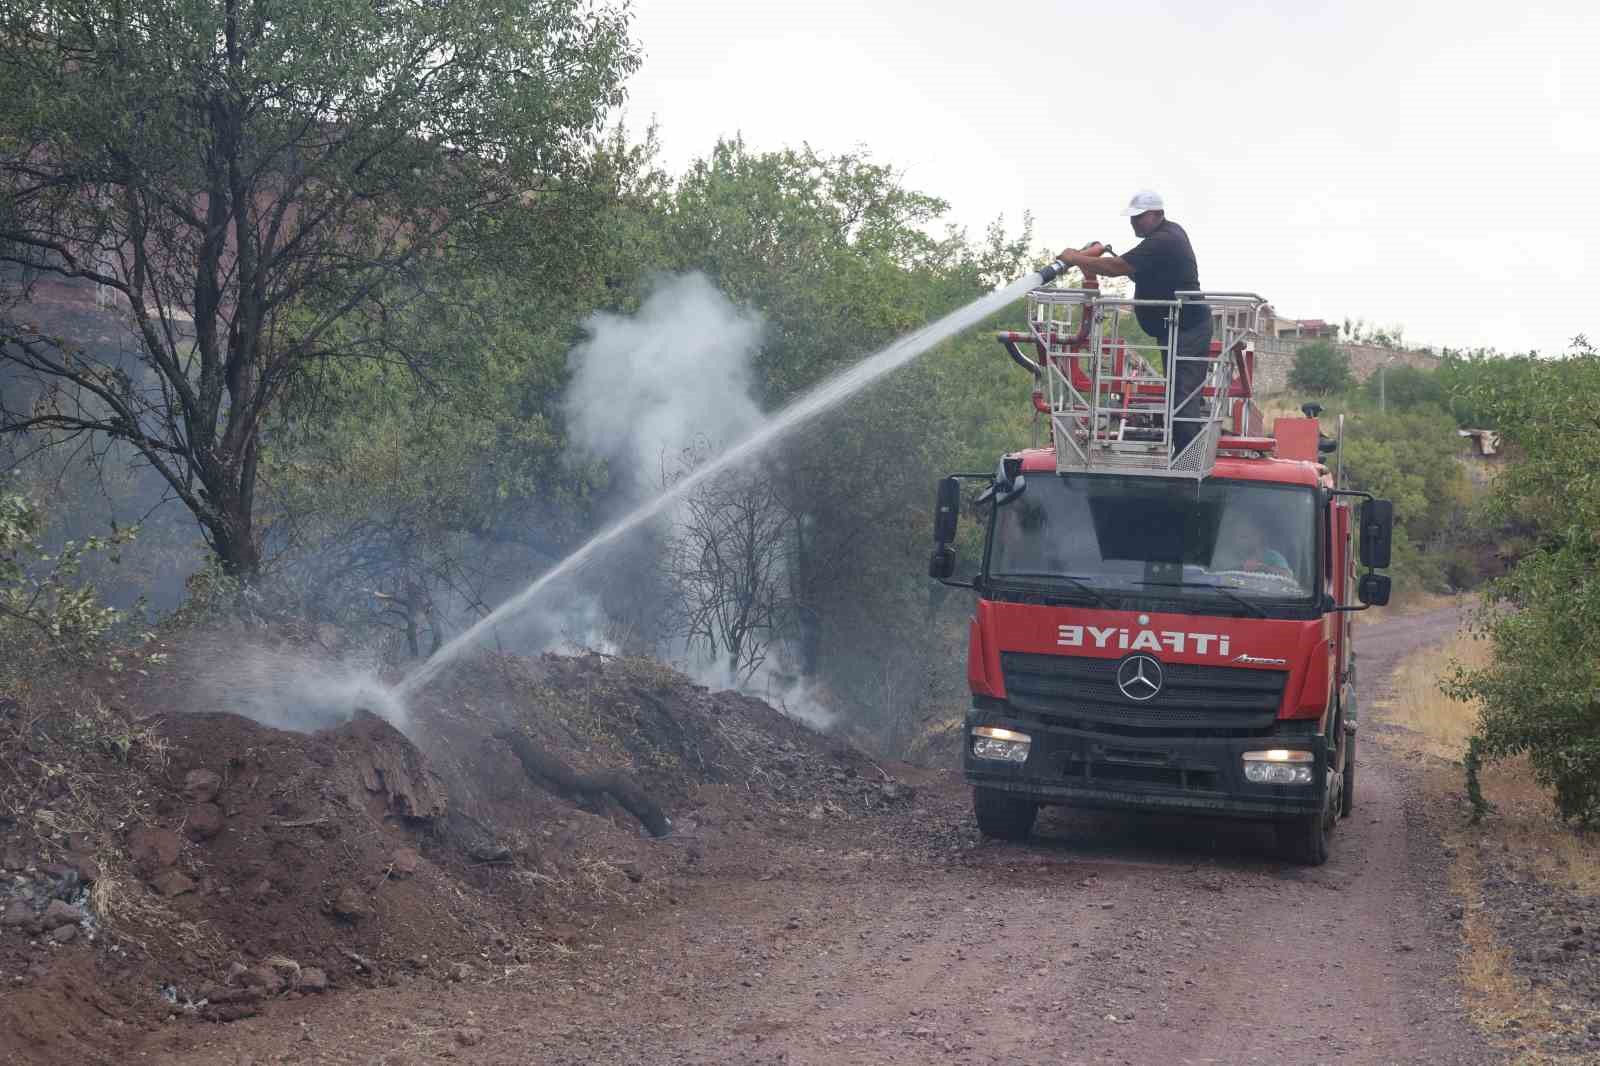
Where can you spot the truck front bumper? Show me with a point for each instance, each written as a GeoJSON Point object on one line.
{"type": "Point", "coordinates": [1178, 774]}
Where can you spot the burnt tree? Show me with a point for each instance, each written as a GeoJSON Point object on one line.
{"type": "Point", "coordinates": [252, 206]}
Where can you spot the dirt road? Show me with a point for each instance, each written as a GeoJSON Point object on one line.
{"type": "Point", "coordinates": [1106, 939]}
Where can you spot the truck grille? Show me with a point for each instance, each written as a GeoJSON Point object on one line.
{"type": "Point", "coordinates": [1072, 690]}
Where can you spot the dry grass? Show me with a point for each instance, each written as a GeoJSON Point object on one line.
{"type": "Point", "coordinates": [1409, 599]}
{"type": "Point", "coordinates": [1501, 1004]}
{"type": "Point", "coordinates": [1437, 724]}
{"type": "Point", "coordinates": [1524, 816]}
{"type": "Point", "coordinates": [1522, 830]}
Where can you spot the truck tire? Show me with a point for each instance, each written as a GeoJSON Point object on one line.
{"type": "Point", "coordinates": [1002, 815]}
{"type": "Point", "coordinates": [1305, 839]}
{"type": "Point", "coordinates": [1347, 802]}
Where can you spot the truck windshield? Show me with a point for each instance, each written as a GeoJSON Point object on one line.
{"type": "Point", "coordinates": [1233, 543]}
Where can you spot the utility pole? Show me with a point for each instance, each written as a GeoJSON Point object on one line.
{"type": "Point", "coordinates": [1383, 385]}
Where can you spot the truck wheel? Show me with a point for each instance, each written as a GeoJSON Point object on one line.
{"type": "Point", "coordinates": [1002, 815]}
{"type": "Point", "coordinates": [1348, 800]}
{"type": "Point", "coordinates": [1305, 839]}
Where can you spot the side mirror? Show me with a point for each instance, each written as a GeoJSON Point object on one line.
{"type": "Point", "coordinates": [946, 511]}
{"type": "Point", "coordinates": [942, 566]}
{"type": "Point", "coordinates": [1373, 589]}
{"type": "Point", "coordinates": [1007, 493]}
{"type": "Point", "coordinates": [1377, 529]}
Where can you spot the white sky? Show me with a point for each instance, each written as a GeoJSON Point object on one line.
{"type": "Point", "coordinates": [1426, 164]}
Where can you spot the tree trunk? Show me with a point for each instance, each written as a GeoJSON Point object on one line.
{"type": "Point", "coordinates": [553, 775]}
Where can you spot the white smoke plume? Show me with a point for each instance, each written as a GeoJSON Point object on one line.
{"type": "Point", "coordinates": [288, 689]}
{"type": "Point", "coordinates": [646, 385]}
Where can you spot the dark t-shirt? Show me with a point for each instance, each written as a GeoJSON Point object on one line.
{"type": "Point", "coordinates": [1163, 264]}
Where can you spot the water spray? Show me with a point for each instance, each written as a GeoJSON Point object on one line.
{"type": "Point", "coordinates": [816, 401]}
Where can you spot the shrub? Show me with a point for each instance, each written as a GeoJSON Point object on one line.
{"type": "Point", "coordinates": [43, 609]}
{"type": "Point", "coordinates": [1320, 368]}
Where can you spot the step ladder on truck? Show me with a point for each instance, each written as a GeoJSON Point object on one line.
{"type": "Point", "coordinates": [1159, 628]}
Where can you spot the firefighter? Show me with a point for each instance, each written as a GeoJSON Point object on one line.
{"type": "Point", "coordinates": [1161, 264]}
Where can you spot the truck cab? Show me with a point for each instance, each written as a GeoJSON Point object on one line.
{"type": "Point", "coordinates": [1158, 631]}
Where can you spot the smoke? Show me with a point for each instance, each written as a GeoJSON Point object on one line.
{"type": "Point", "coordinates": [785, 692]}
{"type": "Point", "coordinates": [646, 385]}
{"type": "Point", "coordinates": [651, 392]}
{"type": "Point", "coordinates": [289, 689]}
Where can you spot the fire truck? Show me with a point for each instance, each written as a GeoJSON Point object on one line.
{"type": "Point", "coordinates": [1158, 628]}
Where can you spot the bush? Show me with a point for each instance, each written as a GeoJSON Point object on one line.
{"type": "Point", "coordinates": [1320, 368]}
{"type": "Point", "coordinates": [1406, 388]}
{"type": "Point", "coordinates": [43, 609]}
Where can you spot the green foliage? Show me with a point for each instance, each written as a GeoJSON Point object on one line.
{"type": "Point", "coordinates": [1406, 388]}
{"type": "Point", "coordinates": [278, 205]}
{"type": "Point", "coordinates": [44, 609]}
{"type": "Point", "coordinates": [1540, 696]}
{"type": "Point", "coordinates": [1410, 458]}
{"type": "Point", "coordinates": [1320, 368]}
{"type": "Point", "coordinates": [1472, 381]}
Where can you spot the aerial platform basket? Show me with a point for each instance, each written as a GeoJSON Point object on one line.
{"type": "Point", "coordinates": [1108, 388]}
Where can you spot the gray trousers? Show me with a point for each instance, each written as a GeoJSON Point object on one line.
{"type": "Point", "coordinates": [1188, 375]}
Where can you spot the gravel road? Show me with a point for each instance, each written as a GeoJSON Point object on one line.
{"type": "Point", "coordinates": [1104, 939]}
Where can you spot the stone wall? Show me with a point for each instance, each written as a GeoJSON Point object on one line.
{"type": "Point", "coordinates": [1275, 358]}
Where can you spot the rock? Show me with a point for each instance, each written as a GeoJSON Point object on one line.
{"type": "Point", "coordinates": [201, 786]}
{"type": "Point", "coordinates": [471, 1036]}
{"type": "Point", "coordinates": [59, 914]}
{"type": "Point", "coordinates": [172, 883]}
{"type": "Point", "coordinates": [460, 971]}
{"type": "Point", "coordinates": [263, 979]}
{"type": "Point", "coordinates": [633, 873]}
{"type": "Point", "coordinates": [18, 913]}
{"type": "Point", "coordinates": [288, 970]}
{"type": "Point", "coordinates": [232, 995]}
{"type": "Point", "coordinates": [351, 904]}
{"type": "Point", "coordinates": [312, 979]}
{"type": "Point", "coordinates": [153, 850]}
{"type": "Point", "coordinates": [236, 971]}
{"type": "Point", "coordinates": [392, 767]}
{"type": "Point", "coordinates": [64, 934]}
{"type": "Point", "coordinates": [202, 821]}
{"type": "Point", "coordinates": [404, 863]}
{"type": "Point", "coordinates": [59, 871]}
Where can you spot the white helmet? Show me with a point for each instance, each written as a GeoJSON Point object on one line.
{"type": "Point", "coordinates": [1143, 200]}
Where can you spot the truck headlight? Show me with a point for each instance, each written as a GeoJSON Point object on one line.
{"type": "Point", "coordinates": [1000, 745]}
{"type": "Point", "coordinates": [1278, 766]}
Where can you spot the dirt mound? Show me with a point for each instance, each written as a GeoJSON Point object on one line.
{"type": "Point", "coordinates": [206, 864]}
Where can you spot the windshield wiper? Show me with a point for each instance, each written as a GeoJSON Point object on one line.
{"type": "Point", "coordinates": [1076, 582]}
{"type": "Point", "coordinates": [1234, 596]}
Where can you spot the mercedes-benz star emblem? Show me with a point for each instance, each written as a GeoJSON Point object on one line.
{"type": "Point", "coordinates": [1139, 677]}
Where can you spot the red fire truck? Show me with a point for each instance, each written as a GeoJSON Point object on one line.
{"type": "Point", "coordinates": [1160, 630]}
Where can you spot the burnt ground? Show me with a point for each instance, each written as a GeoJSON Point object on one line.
{"type": "Point", "coordinates": [814, 907]}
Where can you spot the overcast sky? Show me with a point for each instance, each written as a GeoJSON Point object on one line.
{"type": "Point", "coordinates": [1426, 164]}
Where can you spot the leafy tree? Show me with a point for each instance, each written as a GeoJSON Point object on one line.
{"type": "Point", "coordinates": [1404, 388]}
{"type": "Point", "coordinates": [1540, 695]}
{"type": "Point", "coordinates": [261, 208]}
{"type": "Point", "coordinates": [1410, 458]}
{"type": "Point", "coordinates": [1472, 378]}
{"type": "Point", "coordinates": [1320, 368]}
